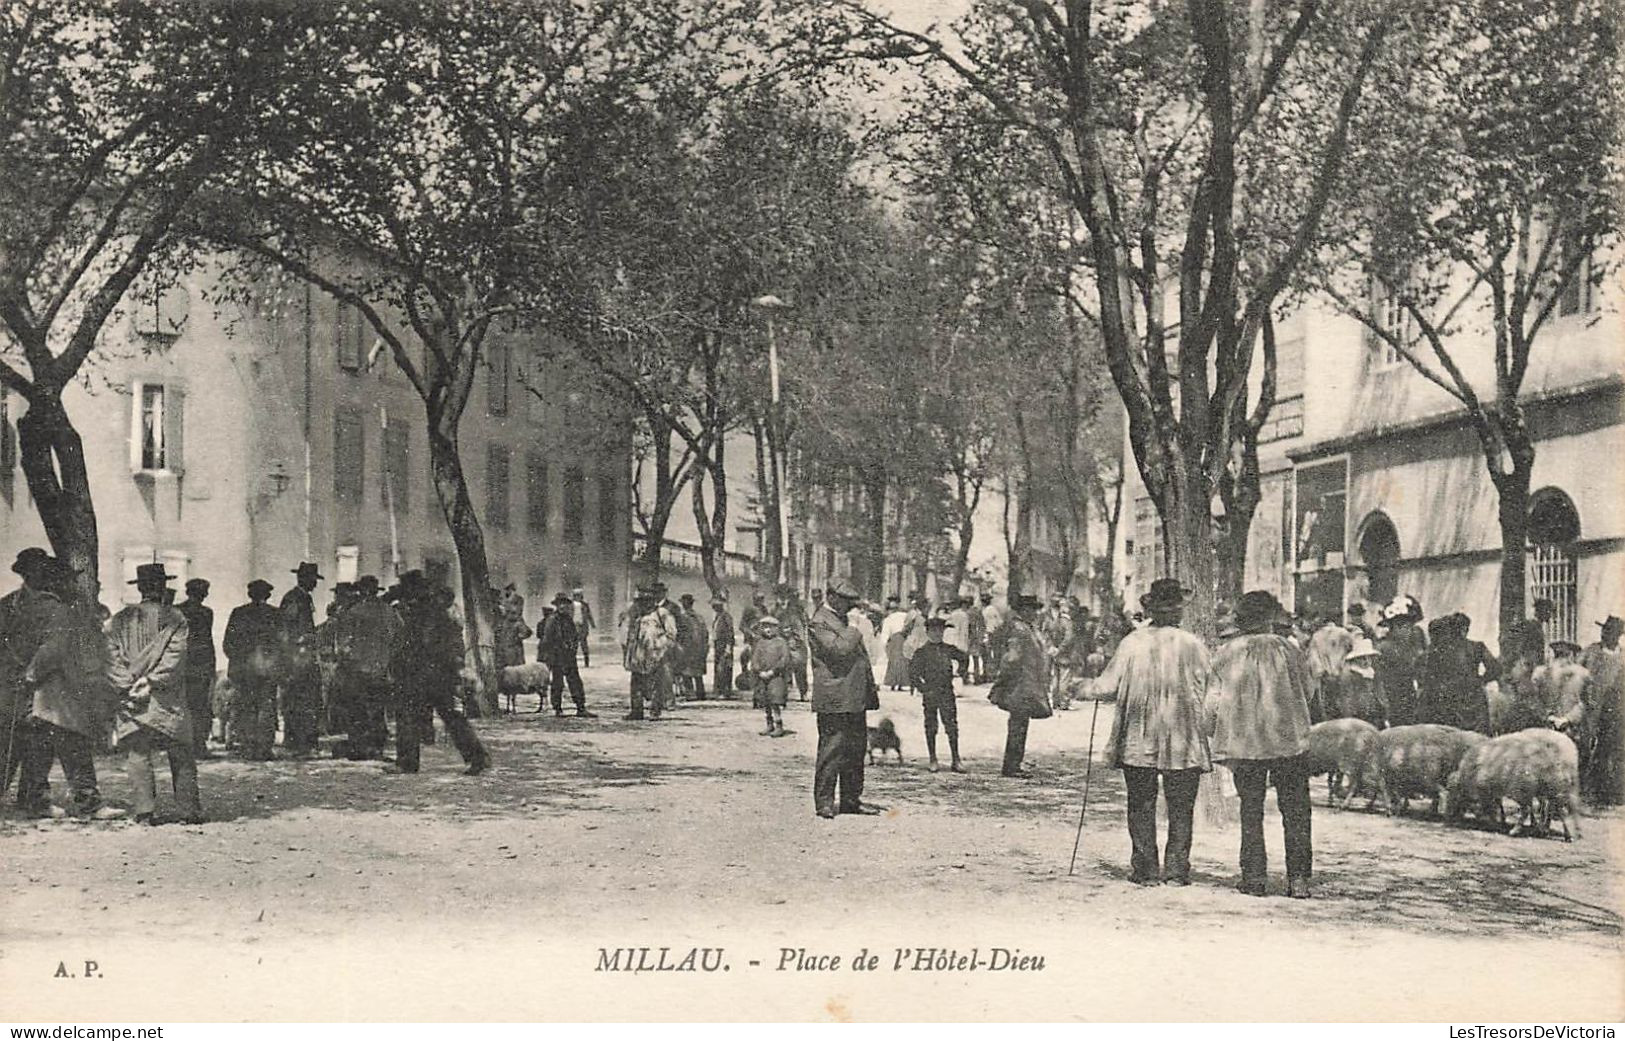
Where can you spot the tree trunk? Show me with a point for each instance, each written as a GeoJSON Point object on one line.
{"type": "Point", "coordinates": [1020, 566]}
{"type": "Point", "coordinates": [1187, 527]}
{"type": "Point", "coordinates": [713, 524]}
{"type": "Point", "coordinates": [767, 489]}
{"type": "Point", "coordinates": [1512, 487]}
{"type": "Point", "coordinates": [1106, 564]}
{"type": "Point", "coordinates": [53, 461]}
{"type": "Point", "coordinates": [469, 539]}
{"type": "Point", "coordinates": [869, 562]}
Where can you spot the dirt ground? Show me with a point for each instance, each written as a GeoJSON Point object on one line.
{"type": "Point", "coordinates": [334, 890]}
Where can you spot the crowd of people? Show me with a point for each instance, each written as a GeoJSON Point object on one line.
{"type": "Point", "coordinates": [73, 680]}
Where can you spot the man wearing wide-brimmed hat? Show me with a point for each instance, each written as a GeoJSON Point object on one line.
{"type": "Point", "coordinates": [651, 642]}
{"type": "Point", "coordinates": [146, 646]}
{"type": "Point", "coordinates": [1602, 779]}
{"type": "Point", "coordinates": [253, 646]}
{"type": "Point", "coordinates": [1259, 718]}
{"type": "Point", "coordinates": [27, 617]}
{"type": "Point", "coordinates": [1158, 678]}
{"type": "Point", "coordinates": [1021, 685]}
{"type": "Point", "coordinates": [557, 651]}
{"type": "Point", "coordinates": [301, 678]}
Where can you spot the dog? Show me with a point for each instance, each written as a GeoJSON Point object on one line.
{"type": "Point", "coordinates": [883, 738]}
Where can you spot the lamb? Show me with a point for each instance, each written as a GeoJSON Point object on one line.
{"type": "Point", "coordinates": [1339, 748]}
{"type": "Point", "coordinates": [530, 678]}
{"type": "Point", "coordinates": [1536, 768]}
{"type": "Point", "coordinates": [1417, 760]}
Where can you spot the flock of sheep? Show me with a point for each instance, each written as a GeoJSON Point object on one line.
{"type": "Point", "coordinates": [1460, 770]}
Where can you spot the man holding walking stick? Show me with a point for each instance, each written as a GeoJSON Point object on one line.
{"type": "Point", "coordinates": [1159, 678]}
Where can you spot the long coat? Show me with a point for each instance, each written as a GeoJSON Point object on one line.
{"type": "Point", "coordinates": [771, 655]}
{"type": "Point", "coordinates": [253, 643]}
{"type": "Point", "coordinates": [1259, 700]}
{"type": "Point", "coordinates": [1159, 677]}
{"type": "Point", "coordinates": [892, 637]}
{"type": "Point", "coordinates": [842, 678]}
{"type": "Point", "coordinates": [1022, 685]}
{"type": "Point", "coordinates": [69, 675]}
{"type": "Point", "coordinates": [146, 644]}
{"type": "Point", "coordinates": [27, 619]}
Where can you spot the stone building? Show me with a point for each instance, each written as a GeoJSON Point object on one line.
{"type": "Point", "coordinates": [232, 439]}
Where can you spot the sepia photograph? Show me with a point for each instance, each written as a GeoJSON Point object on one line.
{"type": "Point", "coordinates": [800, 511]}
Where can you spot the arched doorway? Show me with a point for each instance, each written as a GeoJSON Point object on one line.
{"type": "Point", "coordinates": [1549, 574]}
{"type": "Point", "coordinates": [1379, 555]}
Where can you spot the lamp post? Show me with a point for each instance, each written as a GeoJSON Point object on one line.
{"type": "Point", "coordinates": [769, 304]}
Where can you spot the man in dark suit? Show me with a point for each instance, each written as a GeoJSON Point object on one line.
{"type": "Point", "coordinates": [199, 663]}
{"type": "Point", "coordinates": [301, 678]}
{"type": "Point", "coordinates": [843, 691]}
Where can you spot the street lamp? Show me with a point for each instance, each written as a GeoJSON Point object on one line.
{"type": "Point", "coordinates": [769, 304]}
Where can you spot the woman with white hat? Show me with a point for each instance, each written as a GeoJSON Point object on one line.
{"type": "Point", "coordinates": [1360, 690]}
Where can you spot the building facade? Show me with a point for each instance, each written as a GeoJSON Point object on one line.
{"type": "Point", "coordinates": [1374, 483]}
{"type": "Point", "coordinates": [231, 440]}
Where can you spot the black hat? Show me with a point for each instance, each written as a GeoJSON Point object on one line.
{"type": "Point", "coordinates": [31, 561]}
{"type": "Point", "coordinates": [307, 568]}
{"type": "Point", "coordinates": [1024, 602]}
{"type": "Point", "coordinates": [1164, 592]}
{"type": "Point", "coordinates": [687, 598]}
{"type": "Point", "coordinates": [1564, 647]}
{"type": "Point", "coordinates": [563, 598]}
{"type": "Point", "coordinates": [367, 584]}
{"type": "Point", "coordinates": [343, 588]}
{"type": "Point", "coordinates": [150, 573]}
{"type": "Point", "coordinates": [987, 598]}
{"type": "Point", "coordinates": [258, 584]}
{"type": "Point", "coordinates": [938, 624]}
{"type": "Point", "coordinates": [1257, 608]}
{"type": "Point", "coordinates": [197, 585]}
{"type": "Point", "coordinates": [1613, 621]}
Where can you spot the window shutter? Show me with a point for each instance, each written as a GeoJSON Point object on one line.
{"type": "Point", "coordinates": [174, 430]}
{"type": "Point", "coordinates": [134, 424]}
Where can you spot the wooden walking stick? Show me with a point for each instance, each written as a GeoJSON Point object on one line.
{"type": "Point", "coordinates": [1088, 769]}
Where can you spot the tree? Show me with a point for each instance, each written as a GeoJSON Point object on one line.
{"type": "Point", "coordinates": [717, 203]}
{"type": "Point", "coordinates": [432, 174]}
{"type": "Point", "coordinates": [1199, 153]}
{"type": "Point", "coordinates": [1460, 264]}
{"type": "Point", "coordinates": [112, 117]}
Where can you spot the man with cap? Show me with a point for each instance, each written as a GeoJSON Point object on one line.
{"type": "Point", "coordinates": [558, 652]}
{"type": "Point", "coordinates": [581, 612]}
{"type": "Point", "coordinates": [843, 691]}
{"type": "Point", "coordinates": [931, 671]}
{"type": "Point", "coordinates": [427, 659]}
{"type": "Point", "coordinates": [722, 648]}
{"type": "Point", "coordinates": [693, 646]}
{"type": "Point", "coordinates": [651, 643]}
{"type": "Point", "coordinates": [301, 678]}
{"type": "Point", "coordinates": [253, 646]}
{"type": "Point", "coordinates": [146, 650]}
{"type": "Point", "coordinates": [1158, 679]}
{"type": "Point", "coordinates": [28, 615]}
{"type": "Point", "coordinates": [70, 708]}
{"type": "Point", "coordinates": [200, 663]}
{"type": "Point", "coordinates": [365, 634]}
{"type": "Point", "coordinates": [1258, 716]}
{"type": "Point", "coordinates": [1021, 687]}
{"type": "Point", "coordinates": [1602, 781]}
